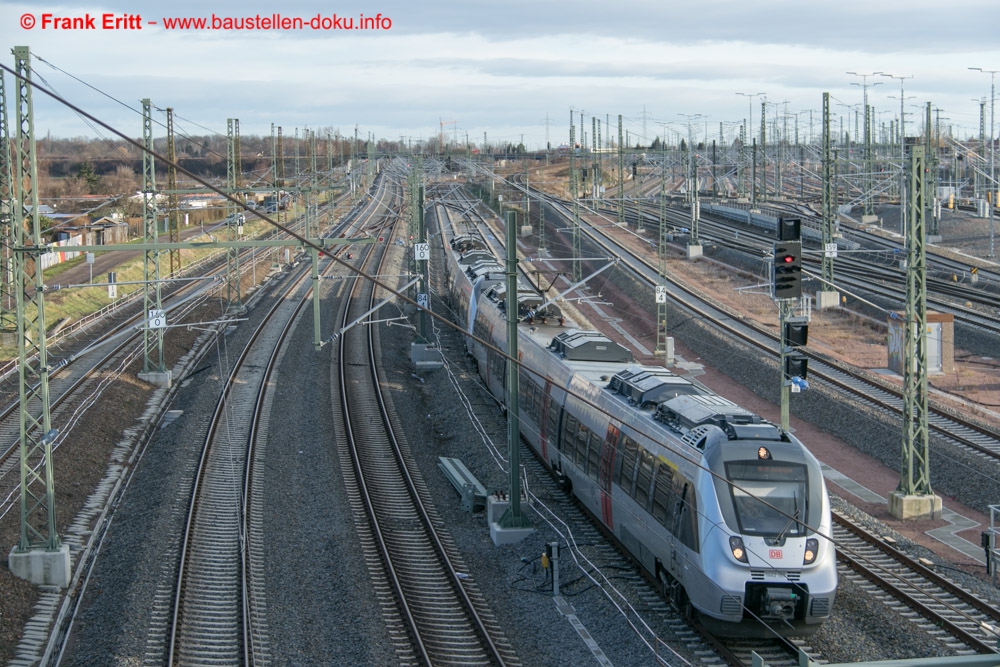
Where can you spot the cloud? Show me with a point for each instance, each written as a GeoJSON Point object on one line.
{"type": "Point", "coordinates": [509, 65]}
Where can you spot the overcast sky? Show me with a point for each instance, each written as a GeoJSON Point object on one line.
{"type": "Point", "coordinates": [504, 67]}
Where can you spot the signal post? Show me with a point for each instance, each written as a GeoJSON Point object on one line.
{"type": "Point", "coordinates": [787, 287]}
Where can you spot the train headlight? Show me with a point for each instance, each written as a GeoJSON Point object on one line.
{"type": "Point", "coordinates": [736, 546]}
{"type": "Point", "coordinates": [812, 549]}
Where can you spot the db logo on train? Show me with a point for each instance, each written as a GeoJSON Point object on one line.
{"type": "Point", "coordinates": [774, 553]}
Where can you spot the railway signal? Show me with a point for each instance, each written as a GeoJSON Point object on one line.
{"type": "Point", "coordinates": [787, 269]}
{"type": "Point", "coordinates": [789, 229]}
{"type": "Point", "coordinates": [796, 365]}
{"type": "Point", "coordinates": [794, 334]}
{"type": "Point", "coordinates": [793, 363]}
{"type": "Point", "coordinates": [796, 331]}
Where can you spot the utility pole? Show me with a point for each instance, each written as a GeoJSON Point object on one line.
{"type": "Point", "coordinates": [153, 365]}
{"type": "Point", "coordinates": [595, 169]}
{"type": "Point", "coordinates": [329, 157]}
{"type": "Point", "coordinates": [692, 190]}
{"type": "Point", "coordinates": [763, 150]}
{"type": "Point", "coordinates": [621, 176]}
{"type": "Point", "coordinates": [746, 140]}
{"type": "Point", "coordinates": [312, 197]}
{"type": "Point", "coordinates": [298, 169]}
{"type": "Point", "coordinates": [39, 556]}
{"type": "Point", "coordinates": [8, 315]}
{"type": "Point", "coordinates": [233, 298]}
{"type": "Point", "coordinates": [423, 294]}
{"type": "Point", "coordinates": [902, 142]}
{"type": "Point", "coordinates": [828, 296]}
{"type": "Point", "coordinates": [991, 180]}
{"type": "Point", "coordinates": [866, 176]}
{"type": "Point", "coordinates": [664, 343]}
{"type": "Point", "coordinates": [279, 160]}
{"type": "Point", "coordinates": [930, 158]}
{"type": "Point", "coordinates": [574, 196]}
{"type": "Point", "coordinates": [172, 200]}
{"type": "Point", "coordinates": [978, 188]}
{"type": "Point", "coordinates": [513, 518]}
{"type": "Point", "coordinates": [913, 497]}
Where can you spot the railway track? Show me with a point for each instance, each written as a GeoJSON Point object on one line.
{"type": "Point", "coordinates": [946, 423]}
{"type": "Point", "coordinates": [86, 536]}
{"type": "Point", "coordinates": [219, 606]}
{"type": "Point", "coordinates": [435, 613]}
{"type": "Point", "coordinates": [78, 378]}
{"type": "Point", "coordinates": [75, 386]}
{"type": "Point", "coordinates": [214, 617]}
{"type": "Point", "coordinates": [962, 621]}
{"type": "Point", "coordinates": [969, 625]}
{"type": "Point", "coordinates": [661, 625]}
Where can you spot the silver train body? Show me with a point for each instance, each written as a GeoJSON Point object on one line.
{"type": "Point", "coordinates": [722, 507]}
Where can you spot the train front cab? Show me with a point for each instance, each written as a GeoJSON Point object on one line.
{"type": "Point", "coordinates": [772, 568]}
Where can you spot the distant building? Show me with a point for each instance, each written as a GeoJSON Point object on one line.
{"type": "Point", "coordinates": [65, 236]}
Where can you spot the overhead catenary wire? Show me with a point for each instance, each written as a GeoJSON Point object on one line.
{"type": "Point", "coordinates": [332, 256]}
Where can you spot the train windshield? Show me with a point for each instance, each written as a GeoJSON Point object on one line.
{"type": "Point", "coordinates": [771, 498]}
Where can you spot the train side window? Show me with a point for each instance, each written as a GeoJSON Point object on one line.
{"type": "Point", "coordinates": [661, 493]}
{"type": "Point", "coordinates": [630, 454]}
{"type": "Point", "coordinates": [498, 366]}
{"type": "Point", "coordinates": [554, 423]}
{"type": "Point", "coordinates": [529, 391]}
{"type": "Point", "coordinates": [568, 442]}
{"type": "Point", "coordinates": [616, 470]}
{"type": "Point", "coordinates": [582, 437]}
{"type": "Point", "coordinates": [687, 527]}
{"type": "Point", "coordinates": [644, 478]}
{"type": "Point", "coordinates": [594, 455]}
{"type": "Point", "coordinates": [525, 392]}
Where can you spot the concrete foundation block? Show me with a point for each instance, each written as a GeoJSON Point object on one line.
{"type": "Point", "coordinates": [495, 509]}
{"type": "Point", "coordinates": [907, 507]}
{"type": "Point", "coordinates": [41, 567]}
{"type": "Point", "coordinates": [425, 357]}
{"type": "Point", "coordinates": [160, 379]}
{"type": "Point", "coordinates": [502, 536]}
{"type": "Point", "coordinates": [827, 299]}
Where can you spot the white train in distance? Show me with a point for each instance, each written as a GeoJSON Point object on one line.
{"type": "Point", "coordinates": [723, 508]}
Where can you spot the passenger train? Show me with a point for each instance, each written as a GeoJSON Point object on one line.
{"type": "Point", "coordinates": [725, 509]}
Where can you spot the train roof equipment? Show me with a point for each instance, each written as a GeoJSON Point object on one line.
{"type": "Point", "coordinates": [690, 412]}
{"type": "Point", "coordinates": [648, 387]}
{"type": "Point", "coordinates": [465, 242]}
{"type": "Point", "coordinates": [477, 255]}
{"type": "Point", "coordinates": [585, 345]}
{"type": "Point", "coordinates": [485, 268]}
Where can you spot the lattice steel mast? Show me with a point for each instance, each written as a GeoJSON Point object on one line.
{"type": "Point", "coordinates": [233, 290]}
{"type": "Point", "coordinates": [913, 497]}
{"type": "Point", "coordinates": [39, 555]}
{"type": "Point", "coordinates": [172, 200]}
{"type": "Point", "coordinates": [152, 339]}
{"type": "Point", "coordinates": [8, 315]}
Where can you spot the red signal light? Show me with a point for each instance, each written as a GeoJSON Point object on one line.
{"type": "Point", "coordinates": [788, 259]}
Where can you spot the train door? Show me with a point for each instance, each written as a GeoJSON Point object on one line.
{"type": "Point", "coordinates": [685, 521]}
{"type": "Point", "coordinates": [605, 472]}
{"type": "Point", "coordinates": [543, 420]}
